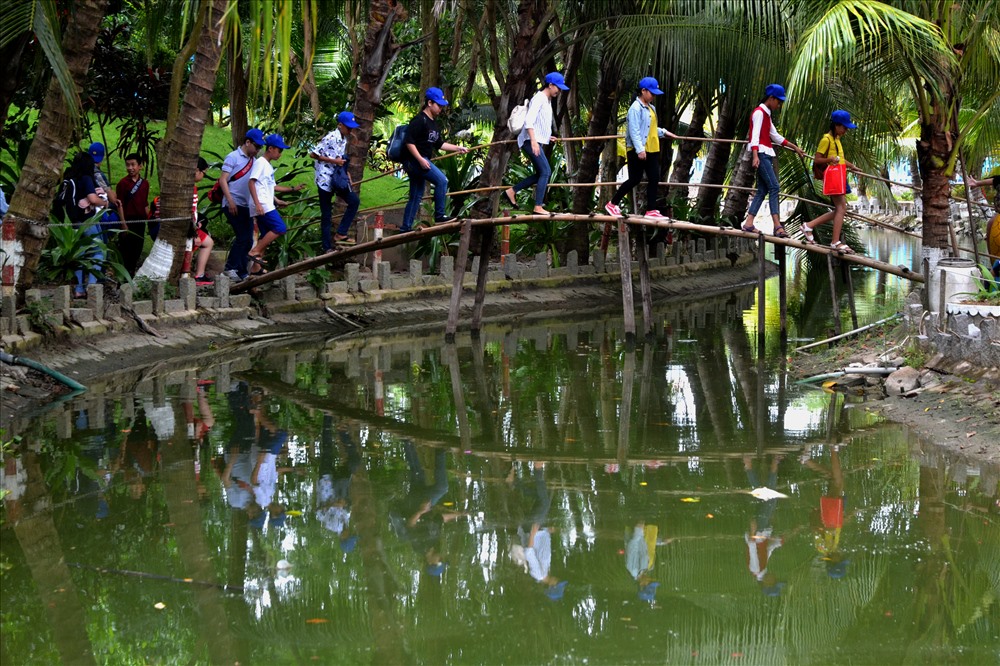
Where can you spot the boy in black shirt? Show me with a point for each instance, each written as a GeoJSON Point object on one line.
{"type": "Point", "coordinates": [423, 138]}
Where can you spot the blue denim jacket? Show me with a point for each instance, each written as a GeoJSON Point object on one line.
{"type": "Point", "coordinates": [637, 126]}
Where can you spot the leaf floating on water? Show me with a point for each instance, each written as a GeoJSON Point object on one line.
{"type": "Point", "coordinates": [293, 512]}
{"type": "Point", "coordinates": [448, 504]}
{"type": "Point", "coordinates": [188, 580]}
{"type": "Point", "coordinates": [709, 515]}
{"type": "Point", "coordinates": [159, 605]}
{"type": "Point", "coordinates": [970, 434]}
{"type": "Point", "coordinates": [690, 499]}
{"type": "Point", "coordinates": [317, 620]}
{"type": "Point", "coordinates": [643, 483]}
{"type": "Point", "coordinates": [767, 494]}
{"type": "Point", "coordinates": [829, 384]}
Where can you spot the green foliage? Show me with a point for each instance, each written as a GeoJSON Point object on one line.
{"type": "Point", "coordinates": [142, 289]}
{"type": "Point", "coordinates": [318, 278]}
{"type": "Point", "coordinates": [73, 248]}
{"type": "Point", "coordinates": [914, 355]}
{"type": "Point", "coordinates": [987, 288]}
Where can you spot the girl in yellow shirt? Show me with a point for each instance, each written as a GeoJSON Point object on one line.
{"type": "Point", "coordinates": [830, 151]}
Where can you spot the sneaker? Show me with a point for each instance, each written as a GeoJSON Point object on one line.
{"type": "Point", "coordinates": [202, 281]}
{"type": "Point", "coordinates": [613, 209]}
{"type": "Point", "coordinates": [444, 219]}
{"type": "Point", "coordinates": [232, 275]}
{"type": "Point", "coordinates": [655, 213]}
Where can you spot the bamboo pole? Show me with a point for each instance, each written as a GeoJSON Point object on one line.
{"type": "Point", "coordinates": [968, 202]}
{"type": "Point", "coordinates": [846, 270]}
{"type": "Point", "coordinates": [485, 245]}
{"type": "Point", "coordinates": [645, 284]}
{"type": "Point", "coordinates": [761, 302]}
{"type": "Point", "coordinates": [846, 335]}
{"type": "Point", "coordinates": [779, 252]}
{"type": "Point", "coordinates": [456, 287]}
{"type": "Point", "coordinates": [833, 294]}
{"type": "Point", "coordinates": [625, 265]}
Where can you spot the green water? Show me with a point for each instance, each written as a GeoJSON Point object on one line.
{"type": "Point", "coordinates": [405, 468]}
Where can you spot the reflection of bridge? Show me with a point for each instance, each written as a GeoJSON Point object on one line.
{"type": "Point", "coordinates": [483, 231]}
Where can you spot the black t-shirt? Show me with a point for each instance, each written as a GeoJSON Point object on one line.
{"type": "Point", "coordinates": [423, 132]}
{"type": "Point", "coordinates": [996, 191]}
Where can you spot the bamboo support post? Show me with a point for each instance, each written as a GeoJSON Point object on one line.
{"type": "Point", "coordinates": [625, 415]}
{"type": "Point", "coordinates": [761, 290]}
{"type": "Point", "coordinates": [485, 245]}
{"type": "Point", "coordinates": [450, 355]}
{"type": "Point", "coordinates": [849, 280]}
{"type": "Point", "coordinates": [456, 286]}
{"type": "Point", "coordinates": [780, 254]}
{"type": "Point", "coordinates": [645, 284]}
{"type": "Point", "coordinates": [833, 294]}
{"type": "Point", "coordinates": [625, 264]}
{"type": "Point", "coordinates": [968, 202]}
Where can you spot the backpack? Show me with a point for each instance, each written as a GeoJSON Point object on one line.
{"type": "Point", "coordinates": [397, 144]}
{"type": "Point", "coordinates": [515, 123]}
{"type": "Point", "coordinates": [65, 205]}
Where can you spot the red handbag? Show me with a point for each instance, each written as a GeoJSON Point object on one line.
{"type": "Point", "coordinates": [835, 180]}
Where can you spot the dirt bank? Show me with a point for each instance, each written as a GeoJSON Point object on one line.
{"type": "Point", "coordinates": [952, 409]}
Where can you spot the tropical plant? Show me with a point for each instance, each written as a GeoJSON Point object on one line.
{"type": "Point", "coordinates": [73, 248]}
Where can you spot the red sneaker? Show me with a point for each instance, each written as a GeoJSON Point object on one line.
{"type": "Point", "coordinates": [613, 209]}
{"type": "Point", "coordinates": [656, 214]}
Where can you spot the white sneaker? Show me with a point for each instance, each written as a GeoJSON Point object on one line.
{"type": "Point", "coordinates": [232, 275]}
{"type": "Point", "coordinates": [613, 209]}
{"type": "Point", "coordinates": [655, 213]}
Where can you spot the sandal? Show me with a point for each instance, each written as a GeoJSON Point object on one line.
{"type": "Point", "coordinates": [346, 240]}
{"type": "Point", "coordinates": [511, 198]}
{"type": "Point", "coordinates": [751, 229]}
{"type": "Point", "coordinates": [779, 232]}
{"type": "Point", "coordinates": [807, 233]}
{"type": "Point", "coordinates": [842, 247]}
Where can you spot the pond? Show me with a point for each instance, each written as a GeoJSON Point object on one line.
{"type": "Point", "coordinates": [540, 494]}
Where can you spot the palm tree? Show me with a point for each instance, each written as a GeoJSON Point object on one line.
{"type": "Point", "coordinates": [25, 227]}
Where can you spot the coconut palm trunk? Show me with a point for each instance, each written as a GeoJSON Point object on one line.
{"type": "Point", "coordinates": [718, 159]}
{"type": "Point", "coordinates": [179, 149]}
{"type": "Point", "coordinates": [25, 227]}
{"type": "Point", "coordinates": [688, 150]}
{"type": "Point", "coordinates": [378, 53]}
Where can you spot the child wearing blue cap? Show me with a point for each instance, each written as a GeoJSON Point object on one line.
{"type": "Point", "coordinates": [423, 139]}
{"type": "Point", "coordinates": [536, 134]}
{"type": "Point", "coordinates": [262, 187]}
{"type": "Point", "coordinates": [830, 151]}
{"type": "Point", "coordinates": [642, 150]}
{"type": "Point", "coordinates": [763, 138]}
{"type": "Point", "coordinates": [332, 179]}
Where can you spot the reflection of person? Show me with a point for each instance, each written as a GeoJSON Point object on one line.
{"type": "Point", "coordinates": [333, 490]}
{"type": "Point", "coordinates": [534, 552]}
{"type": "Point", "coordinates": [763, 138]}
{"type": "Point", "coordinates": [423, 139]}
{"type": "Point", "coordinates": [414, 518]}
{"type": "Point", "coordinates": [760, 540]}
{"type": "Point", "coordinates": [534, 138]}
{"type": "Point", "coordinates": [241, 455]}
{"type": "Point", "coordinates": [831, 515]}
{"type": "Point", "coordinates": [830, 151]}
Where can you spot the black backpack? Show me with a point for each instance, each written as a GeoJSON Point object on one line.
{"type": "Point", "coordinates": [397, 144]}
{"type": "Point", "coordinates": [65, 204]}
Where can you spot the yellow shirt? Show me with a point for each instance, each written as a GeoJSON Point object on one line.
{"type": "Point", "coordinates": [829, 146]}
{"type": "Point", "coordinates": [653, 140]}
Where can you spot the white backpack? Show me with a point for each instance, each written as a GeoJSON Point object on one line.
{"type": "Point", "coordinates": [517, 117]}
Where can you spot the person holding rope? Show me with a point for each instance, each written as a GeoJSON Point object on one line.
{"type": "Point", "coordinates": [538, 131]}
{"type": "Point", "coordinates": [423, 137]}
{"type": "Point", "coordinates": [642, 150]}
{"type": "Point", "coordinates": [236, 202]}
{"type": "Point", "coordinates": [332, 178]}
{"type": "Point", "coordinates": [763, 138]}
{"type": "Point", "coordinates": [830, 151]}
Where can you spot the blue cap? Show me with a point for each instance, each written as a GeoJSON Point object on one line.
{"type": "Point", "coordinates": [103, 510]}
{"type": "Point", "coordinates": [650, 84]}
{"type": "Point", "coordinates": [556, 79]}
{"type": "Point", "coordinates": [275, 141]}
{"type": "Point", "coordinates": [96, 151]}
{"type": "Point", "coordinates": [280, 438]}
{"type": "Point", "coordinates": [842, 117]}
{"type": "Point", "coordinates": [435, 569]}
{"type": "Point", "coordinates": [256, 136]}
{"type": "Point", "coordinates": [436, 95]}
{"type": "Point", "coordinates": [349, 544]}
{"type": "Point", "coordinates": [258, 520]}
{"type": "Point", "coordinates": [774, 90]}
{"type": "Point", "coordinates": [555, 593]}
{"type": "Point", "coordinates": [837, 570]}
{"type": "Point", "coordinates": [773, 590]}
{"type": "Point", "coordinates": [346, 118]}
{"type": "Point", "coordinates": [648, 591]}
{"type": "Point", "coordinates": [277, 520]}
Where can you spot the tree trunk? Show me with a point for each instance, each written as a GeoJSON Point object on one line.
{"type": "Point", "coordinates": [933, 155]}
{"type": "Point", "coordinates": [378, 53]}
{"type": "Point", "coordinates": [237, 79]}
{"type": "Point", "coordinates": [516, 86]}
{"type": "Point", "coordinates": [602, 117]}
{"type": "Point", "coordinates": [717, 160]}
{"type": "Point", "coordinates": [688, 150]}
{"type": "Point", "coordinates": [26, 225]}
{"type": "Point", "coordinates": [737, 201]}
{"type": "Point", "coordinates": [179, 150]}
{"type": "Point", "coordinates": [430, 59]}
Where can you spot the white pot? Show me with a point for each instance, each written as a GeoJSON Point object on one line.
{"type": "Point", "coordinates": [973, 309]}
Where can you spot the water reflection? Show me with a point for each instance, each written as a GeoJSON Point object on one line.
{"type": "Point", "coordinates": [540, 494]}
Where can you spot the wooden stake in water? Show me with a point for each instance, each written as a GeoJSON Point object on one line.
{"type": "Point", "coordinates": [625, 264]}
{"type": "Point", "coordinates": [833, 294]}
{"type": "Point", "coordinates": [456, 285]}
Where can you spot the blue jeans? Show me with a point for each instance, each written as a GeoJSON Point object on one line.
{"type": "Point", "coordinates": [326, 214]}
{"type": "Point", "coordinates": [543, 170]}
{"type": "Point", "coordinates": [767, 184]}
{"type": "Point", "coordinates": [90, 278]}
{"type": "Point", "coordinates": [418, 179]}
{"type": "Point", "coordinates": [242, 239]}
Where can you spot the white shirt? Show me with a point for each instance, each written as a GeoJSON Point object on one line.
{"type": "Point", "coordinates": [539, 118]}
{"type": "Point", "coordinates": [267, 474]}
{"type": "Point", "coordinates": [756, 123]}
{"type": "Point", "coordinates": [263, 175]}
{"type": "Point", "coordinates": [332, 145]}
{"type": "Point", "coordinates": [539, 556]}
